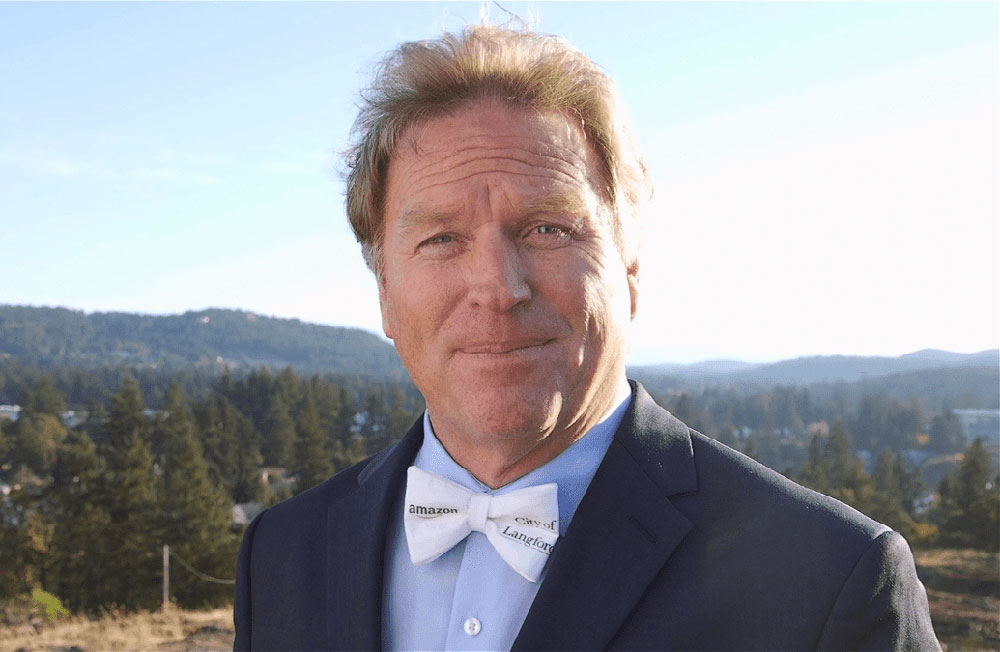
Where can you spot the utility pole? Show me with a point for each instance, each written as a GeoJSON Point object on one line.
{"type": "Point", "coordinates": [166, 577]}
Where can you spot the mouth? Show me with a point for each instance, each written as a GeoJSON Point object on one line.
{"type": "Point", "coordinates": [503, 348]}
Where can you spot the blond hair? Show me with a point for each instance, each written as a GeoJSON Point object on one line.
{"type": "Point", "coordinates": [425, 79]}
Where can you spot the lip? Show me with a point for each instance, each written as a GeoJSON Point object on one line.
{"type": "Point", "coordinates": [502, 348]}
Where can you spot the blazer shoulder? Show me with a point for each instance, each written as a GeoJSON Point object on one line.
{"type": "Point", "coordinates": [768, 497]}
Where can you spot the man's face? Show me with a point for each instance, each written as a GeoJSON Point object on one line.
{"type": "Point", "coordinates": [502, 286]}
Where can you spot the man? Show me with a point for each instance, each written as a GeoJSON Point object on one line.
{"type": "Point", "coordinates": [542, 502]}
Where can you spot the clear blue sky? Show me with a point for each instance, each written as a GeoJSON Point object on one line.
{"type": "Point", "coordinates": [826, 174]}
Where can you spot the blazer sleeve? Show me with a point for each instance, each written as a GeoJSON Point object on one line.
{"type": "Point", "coordinates": [242, 601]}
{"type": "Point", "coordinates": [882, 605]}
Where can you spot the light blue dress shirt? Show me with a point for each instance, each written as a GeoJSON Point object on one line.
{"type": "Point", "coordinates": [469, 598]}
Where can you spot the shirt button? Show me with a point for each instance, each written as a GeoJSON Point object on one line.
{"type": "Point", "coordinates": [472, 626]}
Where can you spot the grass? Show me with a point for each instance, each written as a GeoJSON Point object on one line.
{"type": "Point", "coordinates": [963, 587]}
{"type": "Point", "coordinates": [175, 630]}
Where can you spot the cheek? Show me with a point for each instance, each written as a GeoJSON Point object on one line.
{"type": "Point", "coordinates": [416, 307]}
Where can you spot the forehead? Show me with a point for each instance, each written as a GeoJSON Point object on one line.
{"type": "Point", "coordinates": [541, 156]}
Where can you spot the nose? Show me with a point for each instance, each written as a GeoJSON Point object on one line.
{"type": "Point", "coordinates": [497, 274]}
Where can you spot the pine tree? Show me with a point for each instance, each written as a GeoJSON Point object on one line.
{"type": "Point", "coordinates": [79, 556]}
{"type": "Point", "coordinates": [45, 399]}
{"type": "Point", "coordinates": [4, 449]}
{"type": "Point", "coordinates": [32, 441]}
{"type": "Point", "coordinates": [232, 448]}
{"type": "Point", "coordinates": [399, 418]}
{"type": "Point", "coordinates": [195, 512]}
{"type": "Point", "coordinates": [312, 465]}
{"type": "Point", "coordinates": [946, 433]}
{"type": "Point", "coordinates": [888, 504]}
{"type": "Point", "coordinates": [815, 471]}
{"type": "Point", "coordinates": [130, 500]}
{"type": "Point", "coordinates": [969, 508]}
{"type": "Point", "coordinates": [831, 468]}
{"type": "Point", "coordinates": [246, 481]}
{"type": "Point", "coordinates": [279, 434]}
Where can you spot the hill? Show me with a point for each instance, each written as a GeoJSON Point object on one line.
{"type": "Point", "coordinates": [213, 338]}
{"type": "Point", "coordinates": [818, 369]}
{"type": "Point", "coordinates": [207, 341]}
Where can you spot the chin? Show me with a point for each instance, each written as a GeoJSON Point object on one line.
{"type": "Point", "coordinates": [509, 413]}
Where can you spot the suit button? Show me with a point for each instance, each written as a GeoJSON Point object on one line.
{"type": "Point", "coordinates": [472, 626]}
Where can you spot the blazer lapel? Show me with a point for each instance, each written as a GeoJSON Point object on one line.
{"type": "Point", "coordinates": [623, 532]}
{"type": "Point", "coordinates": [356, 527]}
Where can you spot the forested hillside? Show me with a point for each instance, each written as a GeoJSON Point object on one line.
{"type": "Point", "coordinates": [204, 339]}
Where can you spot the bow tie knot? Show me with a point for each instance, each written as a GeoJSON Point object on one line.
{"type": "Point", "coordinates": [479, 511]}
{"type": "Point", "coordinates": [522, 525]}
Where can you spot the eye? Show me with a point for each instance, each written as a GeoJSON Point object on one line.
{"type": "Point", "coordinates": [439, 246]}
{"type": "Point", "coordinates": [438, 239]}
{"type": "Point", "coordinates": [548, 236]}
{"type": "Point", "coordinates": [550, 229]}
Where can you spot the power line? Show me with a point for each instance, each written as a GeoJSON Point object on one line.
{"type": "Point", "coordinates": [198, 573]}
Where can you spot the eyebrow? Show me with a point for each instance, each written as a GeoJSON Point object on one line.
{"type": "Point", "coordinates": [418, 216]}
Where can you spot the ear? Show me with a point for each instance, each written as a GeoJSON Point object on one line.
{"type": "Point", "coordinates": [383, 304]}
{"type": "Point", "coordinates": [632, 276]}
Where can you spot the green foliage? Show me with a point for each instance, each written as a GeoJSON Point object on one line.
{"type": "Point", "coordinates": [195, 513]}
{"type": "Point", "coordinates": [44, 399]}
{"type": "Point", "coordinates": [232, 448]}
{"type": "Point", "coordinates": [53, 607]}
{"type": "Point", "coordinates": [90, 527]}
{"type": "Point", "coordinates": [55, 336]}
{"type": "Point", "coordinates": [969, 506]}
{"type": "Point", "coordinates": [895, 489]}
{"type": "Point", "coordinates": [131, 502]}
{"type": "Point", "coordinates": [831, 468]}
{"type": "Point", "coordinates": [882, 422]}
{"type": "Point", "coordinates": [946, 433]}
{"type": "Point", "coordinates": [32, 441]}
{"type": "Point", "coordinates": [77, 507]}
{"type": "Point", "coordinates": [279, 442]}
{"type": "Point", "coordinates": [312, 462]}
{"type": "Point", "coordinates": [19, 544]}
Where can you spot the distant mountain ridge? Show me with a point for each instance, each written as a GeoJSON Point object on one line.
{"type": "Point", "coordinates": [818, 369]}
{"type": "Point", "coordinates": [243, 340]}
{"type": "Point", "coordinates": [203, 338]}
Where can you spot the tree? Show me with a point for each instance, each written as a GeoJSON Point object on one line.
{"type": "Point", "coordinates": [232, 448]}
{"type": "Point", "coordinates": [399, 418]}
{"type": "Point", "coordinates": [312, 464]}
{"type": "Point", "coordinates": [831, 468]}
{"type": "Point", "coordinates": [81, 545]}
{"type": "Point", "coordinates": [195, 515]}
{"type": "Point", "coordinates": [969, 506]}
{"type": "Point", "coordinates": [946, 433]}
{"type": "Point", "coordinates": [32, 441]}
{"type": "Point", "coordinates": [279, 434]}
{"type": "Point", "coordinates": [44, 399]}
{"type": "Point", "coordinates": [889, 497]}
{"type": "Point", "coordinates": [5, 444]}
{"type": "Point", "coordinates": [127, 418]}
{"type": "Point", "coordinates": [130, 500]}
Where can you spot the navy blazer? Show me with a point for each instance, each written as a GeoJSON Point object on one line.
{"type": "Point", "coordinates": [680, 543]}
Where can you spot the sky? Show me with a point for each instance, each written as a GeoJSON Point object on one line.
{"type": "Point", "coordinates": [826, 174]}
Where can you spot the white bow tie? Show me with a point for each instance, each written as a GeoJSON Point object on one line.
{"type": "Point", "coordinates": [522, 525]}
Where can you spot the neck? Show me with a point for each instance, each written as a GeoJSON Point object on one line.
{"type": "Point", "coordinates": [499, 459]}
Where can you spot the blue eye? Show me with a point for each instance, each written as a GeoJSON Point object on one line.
{"type": "Point", "coordinates": [548, 229]}
{"type": "Point", "coordinates": [438, 239]}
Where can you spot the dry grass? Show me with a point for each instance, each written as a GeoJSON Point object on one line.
{"type": "Point", "coordinates": [963, 588]}
{"type": "Point", "coordinates": [173, 631]}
